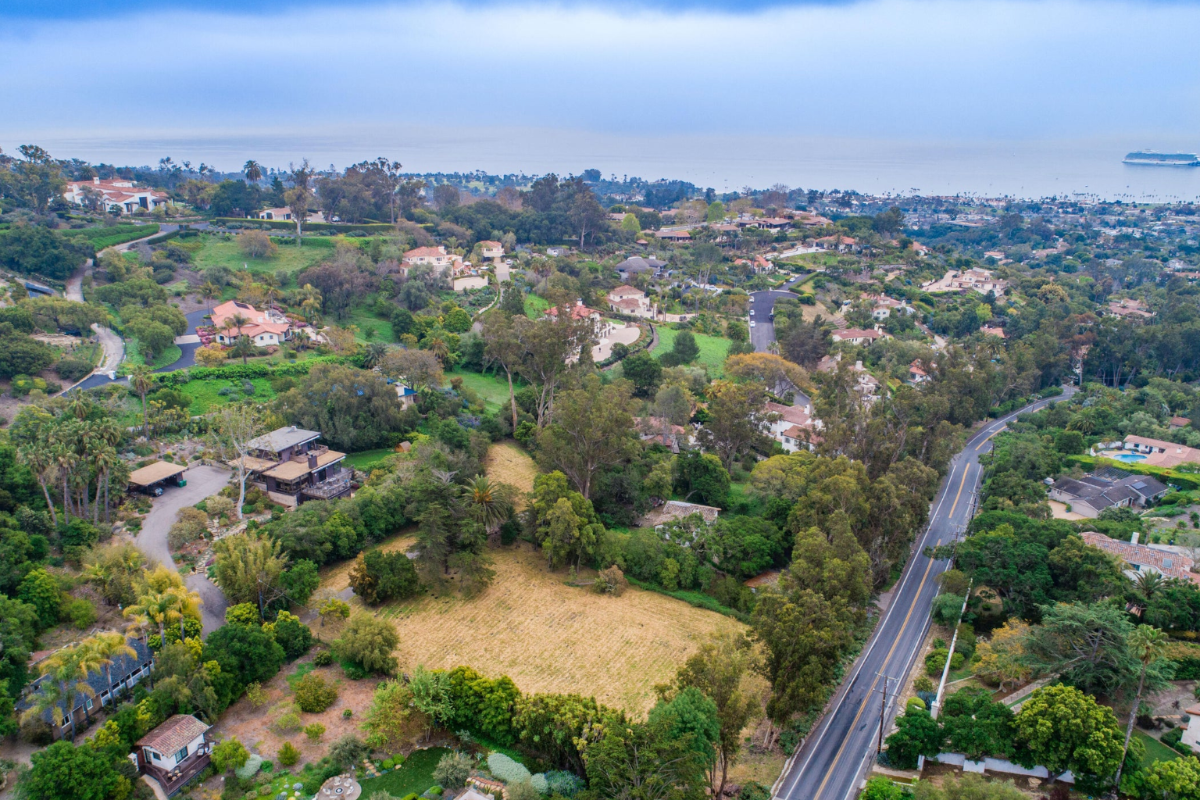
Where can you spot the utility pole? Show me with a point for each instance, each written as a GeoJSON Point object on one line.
{"type": "Point", "coordinates": [883, 706]}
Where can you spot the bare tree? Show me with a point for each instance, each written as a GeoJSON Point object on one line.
{"type": "Point", "coordinates": [230, 431]}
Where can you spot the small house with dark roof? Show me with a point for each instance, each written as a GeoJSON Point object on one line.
{"type": "Point", "coordinates": [107, 685]}
{"type": "Point", "coordinates": [174, 752]}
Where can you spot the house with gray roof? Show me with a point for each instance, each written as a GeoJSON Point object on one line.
{"type": "Point", "coordinates": [1107, 488]}
{"type": "Point", "coordinates": [107, 685]}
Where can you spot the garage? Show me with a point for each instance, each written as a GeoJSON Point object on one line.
{"type": "Point", "coordinates": [153, 478]}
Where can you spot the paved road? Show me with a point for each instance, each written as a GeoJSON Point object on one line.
{"type": "Point", "coordinates": [829, 765]}
{"type": "Point", "coordinates": [762, 303]}
{"type": "Point", "coordinates": [110, 342]}
{"type": "Point", "coordinates": [202, 482]}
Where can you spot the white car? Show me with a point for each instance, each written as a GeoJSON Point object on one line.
{"type": "Point", "coordinates": [751, 323]}
{"type": "Point", "coordinates": [752, 312]}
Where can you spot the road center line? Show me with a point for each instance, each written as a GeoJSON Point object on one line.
{"type": "Point", "coordinates": [867, 699]}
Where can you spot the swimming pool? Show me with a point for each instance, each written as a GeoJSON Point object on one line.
{"type": "Point", "coordinates": [1129, 457]}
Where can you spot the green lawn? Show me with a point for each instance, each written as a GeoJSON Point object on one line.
{"type": "Point", "coordinates": [367, 459]}
{"type": "Point", "coordinates": [217, 252]}
{"type": "Point", "coordinates": [1155, 750]}
{"type": "Point", "coordinates": [370, 327]}
{"type": "Point", "coordinates": [414, 777]}
{"type": "Point", "coordinates": [535, 306]}
{"type": "Point", "coordinates": [133, 355]}
{"type": "Point", "coordinates": [204, 394]}
{"type": "Point", "coordinates": [492, 389]}
{"type": "Point", "coordinates": [713, 349]}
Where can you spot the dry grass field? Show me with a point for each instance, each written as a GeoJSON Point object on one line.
{"type": "Point", "coordinates": [508, 463]}
{"type": "Point", "coordinates": [551, 637]}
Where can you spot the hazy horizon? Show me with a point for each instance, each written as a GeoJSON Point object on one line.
{"type": "Point", "coordinates": [873, 92]}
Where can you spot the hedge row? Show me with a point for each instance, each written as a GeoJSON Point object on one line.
{"type": "Point", "coordinates": [365, 227]}
{"type": "Point", "coordinates": [243, 372]}
{"type": "Point", "coordinates": [1184, 480]}
{"type": "Point", "coordinates": [697, 599]}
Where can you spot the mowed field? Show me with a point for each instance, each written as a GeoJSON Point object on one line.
{"type": "Point", "coordinates": [507, 463]}
{"type": "Point", "coordinates": [551, 637]}
{"type": "Point", "coordinates": [218, 252]}
{"type": "Point", "coordinates": [713, 349]}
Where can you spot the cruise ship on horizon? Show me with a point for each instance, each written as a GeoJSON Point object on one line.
{"type": "Point", "coordinates": [1150, 158]}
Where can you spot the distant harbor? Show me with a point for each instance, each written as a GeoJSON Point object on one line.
{"type": "Point", "coordinates": [1150, 158]}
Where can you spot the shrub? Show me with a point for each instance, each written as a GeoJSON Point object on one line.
{"type": "Point", "coordinates": [347, 751]}
{"type": "Point", "coordinates": [323, 658]}
{"type": "Point", "coordinates": [314, 694]}
{"type": "Point", "coordinates": [563, 783]}
{"type": "Point", "coordinates": [611, 581]}
{"type": "Point", "coordinates": [219, 506]}
{"type": "Point", "coordinates": [922, 684]}
{"type": "Point", "coordinates": [314, 731]}
{"type": "Point", "coordinates": [81, 613]}
{"type": "Point", "coordinates": [288, 754]}
{"type": "Point", "coordinates": [507, 770]}
{"type": "Point", "coordinates": [435, 791]}
{"type": "Point", "coordinates": [250, 768]}
{"type": "Point", "coordinates": [388, 764]}
{"type": "Point", "coordinates": [935, 662]}
{"type": "Point", "coordinates": [539, 783]}
{"type": "Point", "coordinates": [453, 769]}
{"type": "Point", "coordinates": [72, 369]}
{"type": "Point", "coordinates": [229, 754]}
{"type": "Point", "coordinates": [256, 694]}
{"type": "Point", "coordinates": [521, 791]}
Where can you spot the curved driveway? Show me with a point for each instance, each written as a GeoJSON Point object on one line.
{"type": "Point", "coordinates": [831, 760]}
{"type": "Point", "coordinates": [202, 482]}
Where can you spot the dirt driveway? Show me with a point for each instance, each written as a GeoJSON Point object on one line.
{"type": "Point", "coordinates": [202, 482]}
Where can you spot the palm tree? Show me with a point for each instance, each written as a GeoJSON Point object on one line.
{"type": "Point", "coordinates": [242, 347]}
{"type": "Point", "coordinates": [163, 599]}
{"type": "Point", "coordinates": [373, 354]}
{"type": "Point", "coordinates": [490, 503]}
{"type": "Point", "coordinates": [65, 682]}
{"type": "Point", "coordinates": [253, 171]}
{"type": "Point", "coordinates": [86, 661]}
{"type": "Point", "coordinates": [209, 291]}
{"type": "Point", "coordinates": [107, 646]}
{"type": "Point", "coordinates": [38, 458]}
{"type": "Point", "coordinates": [142, 381]}
{"type": "Point", "coordinates": [1148, 583]}
{"type": "Point", "coordinates": [239, 320]}
{"type": "Point", "coordinates": [439, 349]}
{"type": "Point", "coordinates": [1147, 644]}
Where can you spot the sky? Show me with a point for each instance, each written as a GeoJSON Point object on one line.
{"type": "Point", "coordinates": [671, 72]}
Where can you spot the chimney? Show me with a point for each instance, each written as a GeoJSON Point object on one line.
{"type": "Point", "coordinates": [1134, 539]}
{"type": "Point", "coordinates": [312, 461]}
{"type": "Point", "coordinates": [96, 181]}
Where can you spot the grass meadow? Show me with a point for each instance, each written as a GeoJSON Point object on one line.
{"type": "Point", "coordinates": [713, 349]}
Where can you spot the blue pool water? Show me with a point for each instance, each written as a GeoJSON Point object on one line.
{"type": "Point", "coordinates": [1130, 457]}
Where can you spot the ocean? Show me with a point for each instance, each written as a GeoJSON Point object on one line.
{"type": "Point", "coordinates": [1090, 169]}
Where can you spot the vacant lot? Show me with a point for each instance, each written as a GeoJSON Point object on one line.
{"type": "Point", "coordinates": [216, 251]}
{"type": "Point", "coordinates": [713, 349]}
{"type": "Point", "coordinates": [491, 388]}
{"type": "Point", "coordinates": [551, 637]}
{"type": "Point", "coordinates": [508, 463]}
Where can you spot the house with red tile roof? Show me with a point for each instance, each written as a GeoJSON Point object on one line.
{"type": "Point", "coordinates": [264, 328]}
{"type": "Point", "coordinates": [1143, 558]}
{"type": "Point", "coordinates": [122, 195]}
